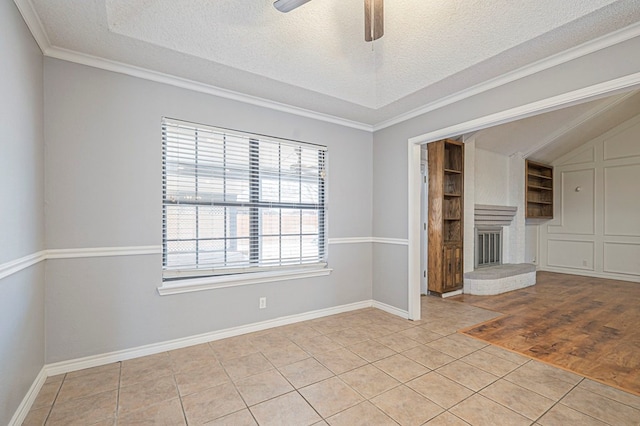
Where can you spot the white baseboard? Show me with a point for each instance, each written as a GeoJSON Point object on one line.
{"type": "Point", "coordinates": [584, 273]}
{"type": "Point", "coordinates": [140, 351]}
{"type": "Point", "coordinates": [29, 399]}
{"type": "Point", "coordinates": [102, 359]}
{"type": "Point", "coordinates": [451, 294]}
{"type": "Point", "coordinates": [391, 309]}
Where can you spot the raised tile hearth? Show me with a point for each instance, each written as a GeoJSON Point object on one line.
{"type": "Point", "coordinates": [499, 279]}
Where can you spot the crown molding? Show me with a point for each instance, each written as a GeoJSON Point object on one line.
{"type": "Point", "coordinates": [576, 52]}
{"type": "Point", "coordinates": [35, 26]}
{"type": "Point", "coordinates": [31, 18]}
{"type": "Point", "coordinates": [183, 83]}
{"type": "Point", "coordinates": [566, 99]}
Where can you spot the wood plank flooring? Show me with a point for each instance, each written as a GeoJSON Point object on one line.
{"type": "Point", "coordinates": [590, 326]}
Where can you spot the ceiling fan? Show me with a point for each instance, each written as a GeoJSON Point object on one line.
{"type": "Point", "coordinates": [373, 15]}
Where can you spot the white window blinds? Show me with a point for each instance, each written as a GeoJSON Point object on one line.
{"type": "Point", "coordinates": [235, 202]}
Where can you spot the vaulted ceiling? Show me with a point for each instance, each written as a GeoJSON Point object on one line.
{"type": "Point", "coordinates": [315, 57]}
{"type": "Point", "coordinates": [547, 137]}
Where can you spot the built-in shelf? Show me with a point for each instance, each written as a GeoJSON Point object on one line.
{"type": "Point", "coordinates": [539, 190]}
{"type": "Point", "coordinates": [446, 210]}
{"type": "Point", "coordinates": [540, 187]}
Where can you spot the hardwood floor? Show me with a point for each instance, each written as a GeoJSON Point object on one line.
{"type": "Point", "coordinates": [590, 326]}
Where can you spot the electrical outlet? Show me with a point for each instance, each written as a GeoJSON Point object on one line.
{"type": "Point", "coordinates": [584, 263]}
{"type": "Point", "coordinates": [263, 302]}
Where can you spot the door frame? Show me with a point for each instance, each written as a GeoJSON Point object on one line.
{"type": "Point", "coordinates": [414, 179]}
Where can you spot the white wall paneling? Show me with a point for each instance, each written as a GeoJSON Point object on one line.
{"type": "Point", "coordinates": [570, 254]}
{"type": "Point", "coordinates": [581, 156]}
{"type": "Point", "coordinates": [575, 201]}
{"type": "Point", "coordinates": [623, 143]}
{"type": "Point", "coordinates": [596, 230]}
{"type": "Point", "coordinates": [622, 258]}
{"type": "Point", "coordinates": [622, 200]}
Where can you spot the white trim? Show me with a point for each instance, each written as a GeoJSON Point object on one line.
{"type": "Point", "coordinates": [451, 293]}
{"type": "Point", "coordinates": [590, 273]}
{"type": "Point", "coordinates": [184, 83]}
{"type": "Point", "coordinates": [577, 122]}
{"type": "Point", "coordinates": [414, 188]}
{"type": "Point", "coordinates": [29, 399]}
{"type": "Point", "coordinates": [63, 367]}
{"type": "Point", "coordinates": [534, 108]}
{"type": "Point", "coordinates": [102, 252]}
{"type": "Point", "coordinates": [155, 348]}
{"type": "Point", "coordinates": [390, 309]}
{"type": "Point", "coordinates": [32, 19]}
{"type": "Point", "coordinates": [11, 267]}
{"type": "Point", "coordinates": [375, 240]}
{"type": "Point", "coordinates": [35, 26]}
{"type": "Point", "coordinates": [571, 54]}
{"type": "Point", "coordinates": [395, 241]}
{"type": "Point", "coordinates": [350, 240]}
{"type": "Point", "coordinates": [225, 281]}
{"type": "Point", "coordinates": [14, 266]}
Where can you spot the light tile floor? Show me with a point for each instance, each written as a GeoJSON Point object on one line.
{"type": "Point", "coordinates": [364, 367]}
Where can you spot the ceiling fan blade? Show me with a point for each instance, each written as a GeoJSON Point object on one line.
{"type": "Point", "coordinates": [288, 5]}
{"type": "Point", "coordinates": [373, 19]}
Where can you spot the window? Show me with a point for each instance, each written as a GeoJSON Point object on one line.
{"type": "Point", "coordinates": [235, 202]}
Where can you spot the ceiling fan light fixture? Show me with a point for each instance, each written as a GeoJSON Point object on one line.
{"type": "Point", "coordinates": [285, 6]}
{"type": "Point", "coordinates": [373, 19]}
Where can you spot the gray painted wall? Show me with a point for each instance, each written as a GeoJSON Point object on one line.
{"type": "Point", "coordinates": [103, 189]}
{"type": "Point", "coordinates": [390, 148]}
{"type": "Point", "coordinates": [21, 213]}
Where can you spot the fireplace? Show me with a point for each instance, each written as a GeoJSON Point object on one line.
{"type": "Point", "coordinates": [488, 247]}
{"type": "Point", "coordinates": [493, 274]}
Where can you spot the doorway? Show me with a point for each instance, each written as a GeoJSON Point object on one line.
{"type": "Point", "coordinates": [415, 178]}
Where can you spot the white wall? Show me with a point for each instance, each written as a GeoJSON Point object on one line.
{"type": "Point", "coordinates": [104, 189]}
{"type": "Point", "coordinates": [390, 149]}
{"type": "Point", "coordinates": [596, 225]}
{"type": "Point", "coordinates": [531, 243]}
{"type": "Point", "coordinates": [499, 181]}
{"type": "Point", "coordinates": [491, 178]}
{"type": "Point", "coordinates": [21, 213]}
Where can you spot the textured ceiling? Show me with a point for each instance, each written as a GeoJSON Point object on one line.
{"type": "Point", "coordinates": [315, 57]}
{"type": "Point", "coordinates": [547, 137]}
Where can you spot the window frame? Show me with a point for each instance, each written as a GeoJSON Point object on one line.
{"type": "Point", "coordinates": [191, 279]}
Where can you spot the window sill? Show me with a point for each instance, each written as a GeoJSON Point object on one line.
{"type": "Point", "coordinates": [210, 283]}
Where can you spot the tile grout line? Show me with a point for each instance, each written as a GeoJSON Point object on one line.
{"type": "Point", "coordinates": [175, 381]}
{"type": "Point", "coordinates": [562, 397]}
{"type": "Point", "coordinates": [398, 332]}
{"type": "Point", "coordinates": [118, 392]}
{"type": "Point", "coordinates": [55, 399]}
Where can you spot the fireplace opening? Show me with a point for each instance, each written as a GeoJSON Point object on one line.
{"type": "Point", "coordinates": [488, 247]}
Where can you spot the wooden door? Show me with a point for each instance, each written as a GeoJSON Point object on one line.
{"type": "Point", "coordinates": [452, 267]}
